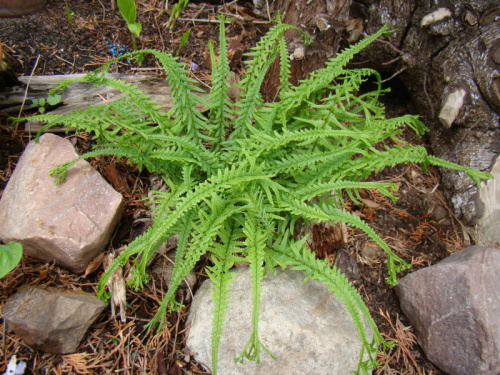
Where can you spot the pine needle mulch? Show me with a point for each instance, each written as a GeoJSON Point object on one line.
{"type": "Point", "coordinates": [110, 346]}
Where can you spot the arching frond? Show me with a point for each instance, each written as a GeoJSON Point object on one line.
{"type": "Point", "coordinates": [240, 179]}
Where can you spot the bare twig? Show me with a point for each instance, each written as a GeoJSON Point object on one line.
{"type": "Point", "coordinates": [268, 11]}
{"type": "Point", "coordinates": [218, 21]}
{"type": "Point", "coordinates": [393, 60]}
{"type": "Point", "coordinates": [394, 75]}
{"type": "Point", "coordinates": [390, 45]}
{"type": "Point", "coordinates": [26, 92]}
{"type": "Point", "coordinates": [427, 96]}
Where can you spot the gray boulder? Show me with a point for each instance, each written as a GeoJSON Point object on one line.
{"type": "Point", "coordinates": [51, 320]}
{"type": "Point", "coordinates": [302, 324]}
{"type": "Point", "coordinates": [69, 223]}
{"type": "Point", "coordinates": [455, 309]}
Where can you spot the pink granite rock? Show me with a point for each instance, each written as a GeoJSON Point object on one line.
{"type": "Point", "coordinates": [69, 223]}
{"type": "Point", "coordinates": [455, 309]}
{"type": "Point", "coordinates": [51, 320]}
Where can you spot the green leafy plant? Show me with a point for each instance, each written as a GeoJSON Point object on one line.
{"type": "Point", "coordinates": [128, 11]}
{"type": "Point", "coordinates": [183, 41]}
{"type": "Point", "coordinates": [69, 15]}
{"type": "Point", "coordinates": [240, 177]}
{"type": "Point", "coordinates": [10, 256]}
{"type": "Point", "coordinates": [43, 103]}
{"type": "Point", "coordinates": [176, 12]}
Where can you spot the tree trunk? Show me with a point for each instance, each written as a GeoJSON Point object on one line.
{"type": "Point", "coordinates": [448, 58]}
{"type": "Point", "coordinates": [313, 17]}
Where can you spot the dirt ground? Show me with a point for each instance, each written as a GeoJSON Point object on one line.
{"type": "Point", "coordinates": [419, 227]}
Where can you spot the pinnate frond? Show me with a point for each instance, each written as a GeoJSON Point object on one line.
{"type": "Point", "coordinates": [239, 180]}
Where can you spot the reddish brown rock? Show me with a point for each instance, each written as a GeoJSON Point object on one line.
{"type": "Point", "coordinates": [69, 223]}
{"type": "Point", "coordinates": [455, 309]}
{"type": "Point", "coordinates": [51, 320]}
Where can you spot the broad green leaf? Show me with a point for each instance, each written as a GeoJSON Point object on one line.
{"type": "Point", "coordinates": [10, 256]}
{"type": "Point", "coordinates": [127, 9]}
{"type": "Point", "coordinates": [135, 28]}
{"type": "Point", "coordinates": [54, 99]}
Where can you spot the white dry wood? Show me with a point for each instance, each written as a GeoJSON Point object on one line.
{"type": "Point", "coordinates": [82, 94]}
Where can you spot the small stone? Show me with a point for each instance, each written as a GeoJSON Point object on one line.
{"type": "Point", "coordinates": [451, 108]}
{"type": "Point", "coordinates": [471, 18]}
{"type": "Point", "coordinates": [302, 324]}
{"type": "Point", "coordinates": [373, 253]}
{"type": "Point", "coordinates": [436, 16]}
{"type": "Point", "coordinates": [439, 213]}
{"type": "Point", "coordinates": [51, 320]}
{"type": "Point", "coordinates": [455, 309]}
{"type": "Point", "coordinates": [299, 52]}
{"type": "Point", "coordinates": [69, 223]}
{"type": "Point", "coordinates": [347, 264]}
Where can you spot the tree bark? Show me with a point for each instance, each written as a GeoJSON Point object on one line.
{"type": "Point", "coordinates": [447, 55]}
{"type": "Point", "coordinates": [451, 68]}
{"type": "Point", "coordinates": [314, 18]}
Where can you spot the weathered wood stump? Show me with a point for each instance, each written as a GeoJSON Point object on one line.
{"type": "Point", "coordinates": [80, 94]}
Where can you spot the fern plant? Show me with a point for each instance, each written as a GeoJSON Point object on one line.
{"type": "Point", "coordinates": [239, 178]}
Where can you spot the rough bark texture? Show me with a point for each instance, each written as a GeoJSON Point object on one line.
{"type": "Point", "coordinates": [455, 54]}
{"type": "Point", "coordinates": [315, 18]}
{"type": "Point", "coordinates": [447, 55]}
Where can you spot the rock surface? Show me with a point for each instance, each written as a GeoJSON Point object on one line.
{"type": "Point", "coordinates": [51, 320]}
{"type": "Point", "coordinates": [302, 324]}
{"type": "Point", "coordinates": [486, 231]}
{"type": "Point", "coordinates": [455, 309]}
{"type": "Point", "coordinates": [69, 223]}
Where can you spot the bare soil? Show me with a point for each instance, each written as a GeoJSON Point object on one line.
{"type": "Point", "coordinates": [419, 227]}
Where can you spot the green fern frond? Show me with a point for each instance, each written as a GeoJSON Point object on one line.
{"type": "Point", "coordinates": [394, 263]}
{"type": "Point", "coordinates": [239, 180]}
{"type": "Point", "coordinates": [62, 169]}
{"type": "Point", "coordinates": [187, 120]}
{"type": "Point", "coordinates": [249, 104]}
{"type": "Point", "coordinates": [284, 58]}
{"type": "Point", "coordinates": [310, 191]}
{"type": "Point", "coordinates": [220, 111]}
{"type": "Point", "coordinates": [331, 213]}
{"type": "Point", "coordinates": [202, 236]}
{"type": "Point", "coordinates": [378, 160]}
{"type": "Point", "coordinates": [322, 79]}
{"type": "Point", "coordinates": [299, 162]}
{"type": "Point", "coordinates": [475, 175]}
{"type": "Point", "coordinates": [305, 136]}
{"type": "Point", "coordinates": [302, 259]}
{"type": "Point", "coordinates": [221, 279]}
{"type": "Point", "coordinates": [261, 54]}
{"type": "Point", "coordinates": [258, 228]}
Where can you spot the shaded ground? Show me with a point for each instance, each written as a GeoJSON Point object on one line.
{"type": "Point", "coordinates": [419, 227]}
